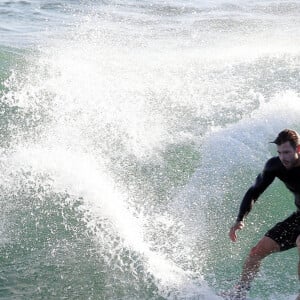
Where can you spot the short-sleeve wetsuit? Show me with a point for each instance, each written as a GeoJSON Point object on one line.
{"type": "Point", "coordinates": [286, 232]}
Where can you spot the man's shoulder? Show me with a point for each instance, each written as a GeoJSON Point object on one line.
{"type": "Point", "coordinates": [273, 164]}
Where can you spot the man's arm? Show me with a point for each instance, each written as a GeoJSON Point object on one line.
{"type": "Point", "coordinates": [263, 180]}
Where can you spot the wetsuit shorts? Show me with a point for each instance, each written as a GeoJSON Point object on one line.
{"type": "Point", "coordinates": [286, 232]}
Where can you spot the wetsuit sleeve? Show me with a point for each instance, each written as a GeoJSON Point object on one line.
{"type": "Point", "coordinates": [263, 180]}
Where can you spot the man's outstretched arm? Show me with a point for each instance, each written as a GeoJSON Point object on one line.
{"type": "Point", "coordinates": [263, 180]}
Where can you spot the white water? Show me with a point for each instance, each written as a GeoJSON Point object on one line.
{"type": "Point", "coordinates": [128, 84]}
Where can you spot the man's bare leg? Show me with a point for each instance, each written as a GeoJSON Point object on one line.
{"type": "Point", "coordinates": [252, 263]}
{"type": "Point", "coordinates": [298, 246]}
{"type": "Point", "coordinates": [263, 248]}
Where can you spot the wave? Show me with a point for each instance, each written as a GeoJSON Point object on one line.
{"type": "Point", "coordinates": [124, 154]}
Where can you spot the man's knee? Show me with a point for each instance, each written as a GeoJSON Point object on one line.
{"type": "Point", "coordinates": [265, 247]}
{"type": "Point", "coordinates": [298, 242]}
{"type": "Point", "coordinates": [258, 252]}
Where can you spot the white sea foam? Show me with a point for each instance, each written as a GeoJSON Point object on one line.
{"type": "Point", "coordinates": [129, 84]}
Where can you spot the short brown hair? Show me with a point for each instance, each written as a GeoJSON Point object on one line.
{"type": "Point", "coordinates": [288, 135]}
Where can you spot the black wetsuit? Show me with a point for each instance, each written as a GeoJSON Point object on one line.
{"type": "Point", "coordinates": [284, 233]}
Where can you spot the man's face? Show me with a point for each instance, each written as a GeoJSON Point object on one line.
{"type": "Point", "coordinates": [288, 155]}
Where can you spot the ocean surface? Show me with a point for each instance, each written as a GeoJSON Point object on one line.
{"type": "Point", "coordinates": [129, 133]}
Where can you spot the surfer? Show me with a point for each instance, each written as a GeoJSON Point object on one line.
{"type": "Point", "coordinates": [284, 235]}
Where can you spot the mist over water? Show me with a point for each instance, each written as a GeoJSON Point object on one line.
{"type": "Point", "coordinates": [129, 133]}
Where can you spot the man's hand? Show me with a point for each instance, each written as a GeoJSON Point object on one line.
{"type": "Point", "coordinates": [238, 225]}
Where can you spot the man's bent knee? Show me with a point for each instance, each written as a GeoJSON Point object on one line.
{"type": "Point", "coordinates": [265, 247]}
{"type": "Point", "coordinates": [298, 242]}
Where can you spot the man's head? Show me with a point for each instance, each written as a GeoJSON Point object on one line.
{"type": "Point", "coordinates": [288, 147]}
{"type": "Point", "coordinates": [288, 135]}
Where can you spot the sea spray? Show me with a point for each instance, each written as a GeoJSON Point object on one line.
{"type": "Point", "coordinates": [161, 113]}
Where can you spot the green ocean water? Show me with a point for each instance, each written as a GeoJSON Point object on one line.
{"type": "Point", "coordinates": [129, 133]}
